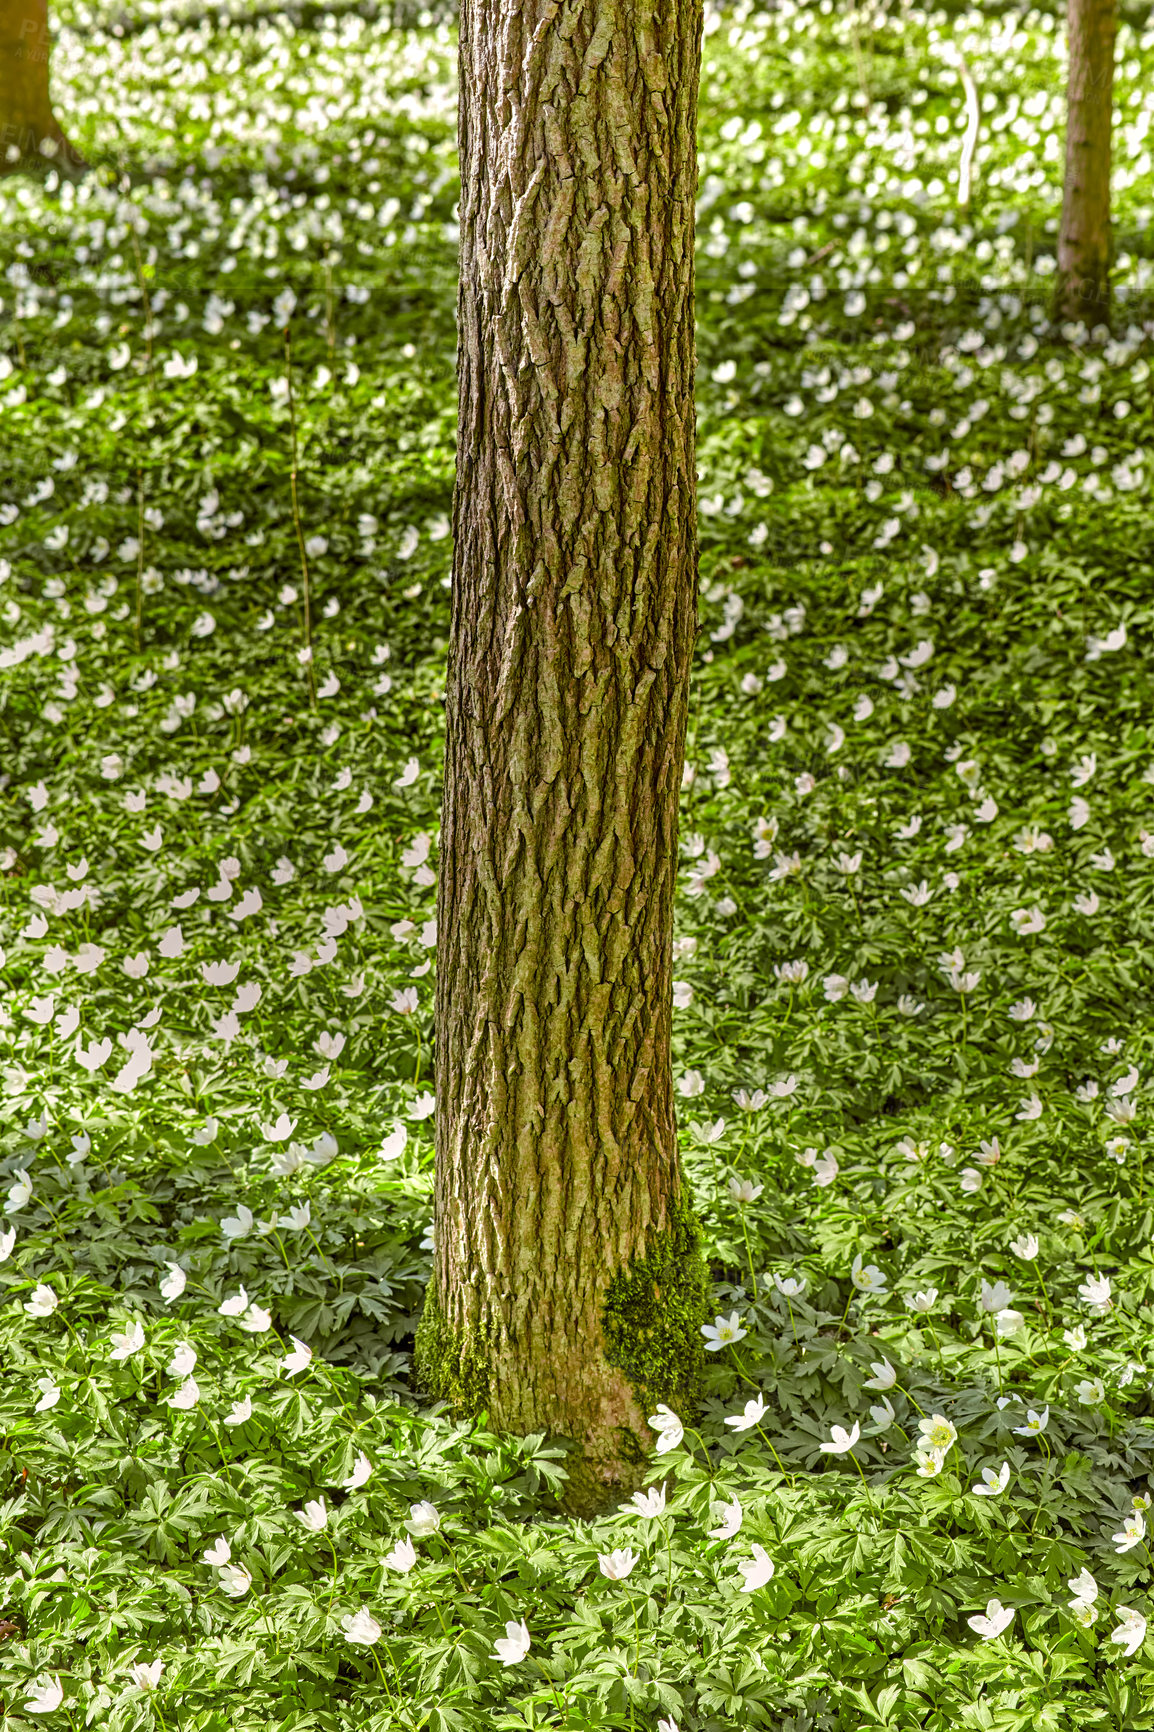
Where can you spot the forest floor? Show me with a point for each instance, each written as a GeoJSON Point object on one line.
{"type": "Point", "coordinates": [913, 1038]}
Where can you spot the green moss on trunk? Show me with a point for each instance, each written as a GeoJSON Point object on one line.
{"type": "Point", "coordinates": [654, 1311]}
{"type": "Point", "coordinates": [448, 1367]}
{"type": "Point", "coordinates": [651, 1321]}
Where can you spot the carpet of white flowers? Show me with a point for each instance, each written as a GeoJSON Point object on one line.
{"type": "Point", "coordinates": [913, 1038]}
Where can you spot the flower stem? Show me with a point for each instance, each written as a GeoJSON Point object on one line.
{"type": "Point", "coordinates": [910, 1398]}
{"type": "Point", "coordinates": [144, 295]}
{"type": "Point", "coordinates": [786, 1475]}
{"type": "Point", "coordinates": [1046, 1300]}
{"type": "Point", "coordinates": [704, 1445]}
{"type": "Point", "coordinates": [320, 1365]}
{"type": "Point", "coordinates": [937, 1347]}
{"type": "Point", "coordinates": [562, 1707]}
{"type": "Point", "coordinates": [636, 1632]}
{"type": "Point", "coordinates": [456, 1565]}
{"type": "Point", "coordinates": [741, 1372]}
{"type": "Point", "coordinates": [381, 1670]}
{"type": "Point", "coordinates": [218, 1440]}
{"type": "Point", "coordinates": [865, 1482]}
{"type": "Point", "coordinates": [336, 1568]}
{"type": "Point", "coordinates": [792, 1321]}
{"type": "Point", "coordinates": [749, 1254]}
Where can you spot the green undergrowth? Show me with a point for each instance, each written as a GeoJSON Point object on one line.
{"type": "Point", "coordinates": [913, 947]}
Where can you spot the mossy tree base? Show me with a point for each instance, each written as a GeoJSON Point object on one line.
{"type": "Point", "coordinates": [649, 1350]}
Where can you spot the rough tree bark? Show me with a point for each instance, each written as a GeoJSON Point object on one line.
{"type": "Point", "coordinates": [1084, 241]}
{"type": "Point", "coordinates": [30, 135]}
{"type": "Point", "coordinates": [568, 1288]}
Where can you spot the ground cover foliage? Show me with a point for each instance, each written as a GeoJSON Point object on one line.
{"type": "Point", "coordinates": [911, 1041]}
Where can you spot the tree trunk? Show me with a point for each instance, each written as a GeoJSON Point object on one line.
{"type": "Point", "coordinates": [1084, 249]}
{"type": "Point", "coordinates": [30, 136]}
{"type": "Point", "coordinates": [568, 1289]}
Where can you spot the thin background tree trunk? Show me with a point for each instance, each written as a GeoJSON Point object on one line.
{"type": "Point", "coordinates": [30, 135]}
{"type": "Point", "coordinates": [1084, 249]}
{"type": "Point", "coordinates": [574, 617]}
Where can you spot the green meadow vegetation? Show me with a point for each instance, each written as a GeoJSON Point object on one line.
{"type": "Point", "coordinates": [914, 939]}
